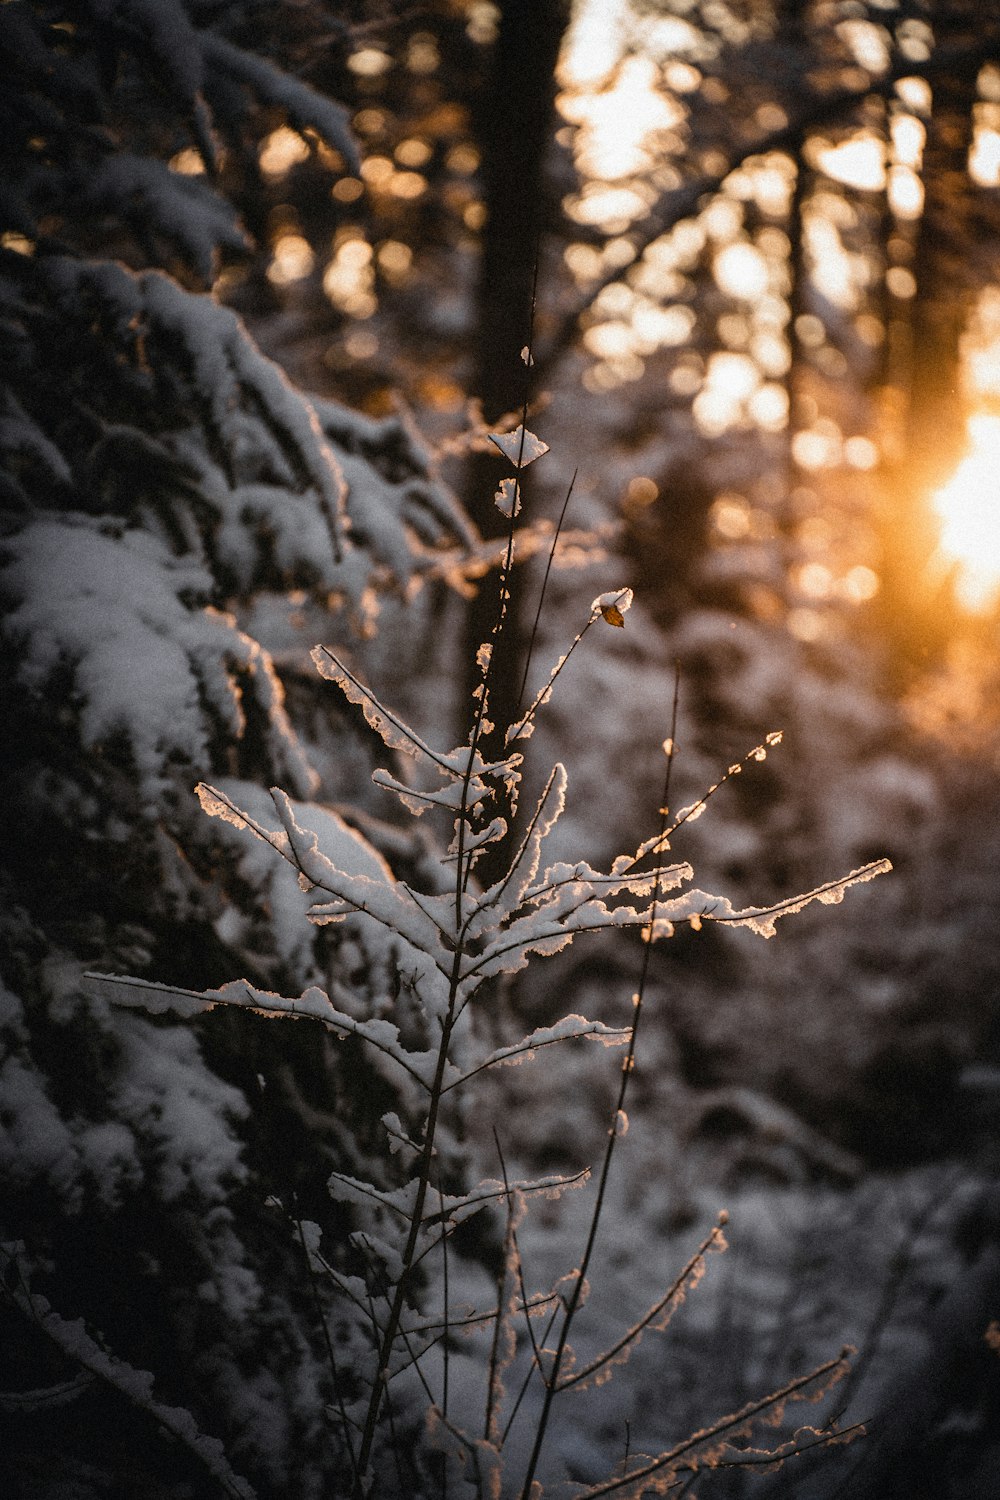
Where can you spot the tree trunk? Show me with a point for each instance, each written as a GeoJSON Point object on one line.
{"type": "Point", "coordinates": [924, 373]}
{"type": "Point", "coordinates": [514, 131]}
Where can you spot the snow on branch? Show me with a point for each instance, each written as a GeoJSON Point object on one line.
{"type": "Point", "coordinates": [182, 209]}
{"type": "Point", "coordinates": [545, 1036]}
{"type": "Point", "coordinates": [314, 1004]}
{"type": "Point", "coordinates": [715, 1446]}
{"type": "Point", "coordinates": [73, 1340]}
{"type": "Point", "coordinates": [600, 1369]}
{"type": "Point", "coordinates": [115, 609]}
{"type": "Point", "coordinates": [305, 108]}
{"type": "Point", "coordinates": [762, 919]}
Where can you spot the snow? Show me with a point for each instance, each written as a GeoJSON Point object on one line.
{"type": "Point", "coordinates": [144, 610]}
{"type": "Point", "coordinates": [73, 1340]}
{"type": "Point", "coordinates": [181, 208]}
{"type": "Point", "coordinates": [520, 446]}
{"type": "Point", "coordinates": [109, 604]}
{"type": "Point", "coordinates": [304, 107]}
{"type": "Point", "coordinates": [507, 500]}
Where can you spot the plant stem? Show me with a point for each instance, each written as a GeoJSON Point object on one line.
{"type": "Point", "coordinates": [409, 1253]}
{"type": "Point", "coordinates": [552, 1381]}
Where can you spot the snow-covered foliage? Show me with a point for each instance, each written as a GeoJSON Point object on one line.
{"type": "Point", "coordinates": [161, 481]}
{"type": "Point", "coordinates": [390, 1283]}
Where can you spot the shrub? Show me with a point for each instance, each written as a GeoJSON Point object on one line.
{"type": "Point", "coordinates": [448, 941]}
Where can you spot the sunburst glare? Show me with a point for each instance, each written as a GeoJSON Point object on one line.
{"type": "Point", "coordinates": [969, 510]}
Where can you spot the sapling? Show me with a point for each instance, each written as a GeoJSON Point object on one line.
{"type": "Point", "coordinates": [447, 945]}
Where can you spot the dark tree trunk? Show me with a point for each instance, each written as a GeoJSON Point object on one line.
{"type": "Point", "coordinates": [514, 132]}
{"type": "Point", "coordinates": [926, 404]}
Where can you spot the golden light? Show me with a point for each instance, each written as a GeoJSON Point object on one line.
{"type": "Point", "coordinates": [815, 580]}
{"type": "Point", "coordinates": [915, 39]}
{"type": "Point", "coordinates": [292, 260]}
{"type": "Point", "coordinates": [349, 279]}
{"type": "Point", "coordinates": [369, 62]}
{"type": "Point", "coordinates": [483, 22]}
{"type": "Point", "coordinates": [593, 44]}
{"type": "Point", "coordinates": [981, 347]}
{"type": "Point", "coordinates": [660, 327]}
{"type": "Point", "coordinates": [984, 155]}
{"type": "Point", "coordinates": [407, 185]}
{"type": "Point", "coordinates": [616, 124]}
{"type": "Point", "coordinates": [906, 193]}
{"type": "Point", "coordinates": [641, 492]}
{"type": "Point", "coordinates": [766, 180]}
{"type": "Point", "coordinates": [908, 138]}
{"type": "Point", "coordinates": [584, 262]}
{"type": "Point", "coordinates": [731, 516]}
{"type": "Point", "coordinates": [394, 257]}
{"type": "Point", "coordinates": [857, 163]}
{"type": "Point", "coordinates": [347, 190]}
{"type": "Point", "coordinates": [741, 271]}
{"type": "Point", "coordinates": [805, 624]}
{"type": "Point", "coordinates": [281, 151]}
{"type": "Point", "coordinates": [188, 163]}
{"type": "Point", "coordinates": [422, 54]}
{"type": "Point", "coordinates": [869, 44]}
{"type": "Point", "coordinates": [413, 152]}
{"type": "Point", "coordinates": [901, 282]}
{"type": "Point", "coordinates": [969, 510]}
{"type": "Point", "coordinates": [859, 584]}
{"type": "Point", "coordinates": [769, 407]}
{"type": "Point", "coordinates": [841, 275]}
{"type": "Point", "coordinates": [915, 94]}
{"type": "Point", "coordinates": [11, 239]}
{"type": "Point", "coordinates": [377, 170]}
{"type": "Point", "coordinates": [730, 381]}
{"type": "Point", "coordinates": [608, 340]}
{"type": "Point", "coordinates": [860, 453]}
{"type": "Point", "coordinates": [611, 208]}
{"type": "Point", "coordinates": [463, 159]}
{"type": "Point", "coordinates": [770, 349]}
{"type": "Point", "coordinates": [816, 448]}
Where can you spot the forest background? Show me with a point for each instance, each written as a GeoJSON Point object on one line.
{"type": "Point", "coordinates": [752, 250]}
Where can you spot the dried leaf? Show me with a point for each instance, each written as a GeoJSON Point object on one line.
{"type": "Point", "coordinates": [612, 606]}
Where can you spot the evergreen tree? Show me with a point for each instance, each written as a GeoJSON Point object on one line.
{"type": "Point", "coordinates": [162, 482]}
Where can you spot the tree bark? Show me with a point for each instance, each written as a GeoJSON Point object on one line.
{"type": "Point", "coordinates": [514, 128]}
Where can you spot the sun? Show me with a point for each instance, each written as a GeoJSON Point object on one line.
{"type": "Point", "coordinates": [968, 507]}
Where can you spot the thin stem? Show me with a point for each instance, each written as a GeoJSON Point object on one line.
{"type": "Point", "coordinates": [536, 702]}
{"type": "Point", "coordinates": [392, 1432]}
{"type": "Point", "coordinates": [338, 1393]}
{"type": "Point", "coordinates": [445, 1307]}
{"type": "Point", "coordinates": [552, 1384]}
{"type": "Point", "coordinates": [545, 584]}
{"type": "Point", "coordinates": [732, 1423]}
{"type": "Point", "coordinates": [402, 1285]}
{"type": "Point", "coordinates": [536, 1365]}
{"type": "Point", "coordinates": [506, 570]}
{"type": "Point", "coordinates": [494, 1387]}
{"type": "Point", "coordinates": [669, 1297]}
